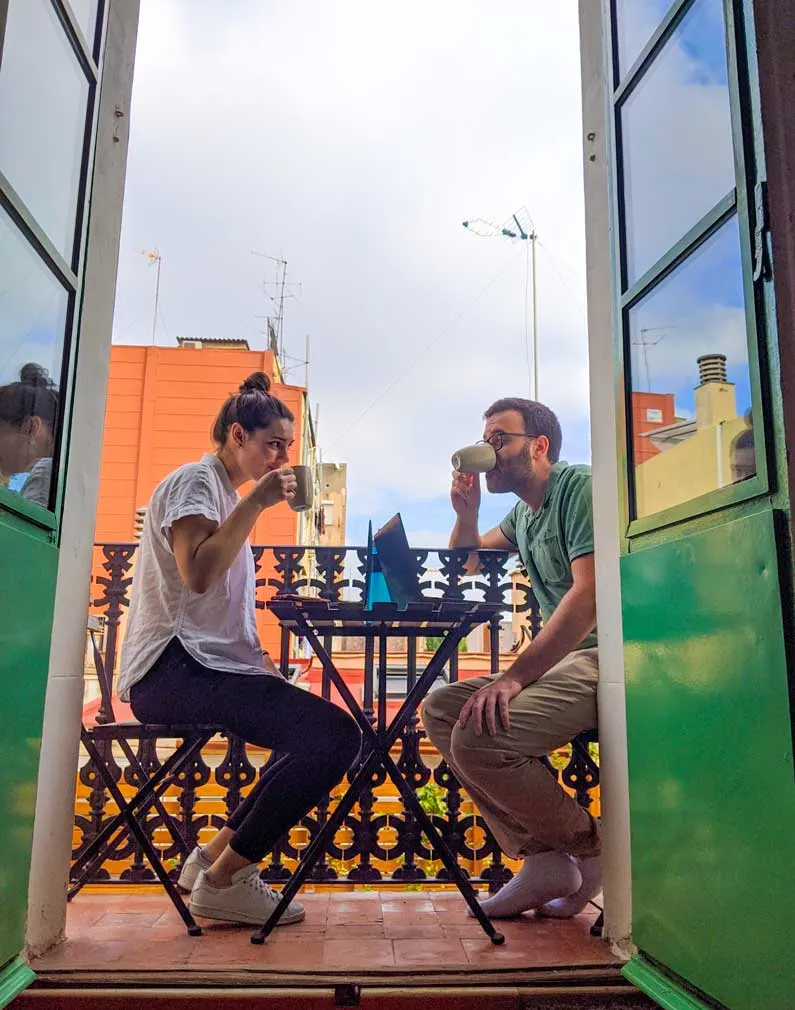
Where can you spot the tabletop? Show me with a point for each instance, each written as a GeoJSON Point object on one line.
{"type": "Point", "coordinates": [346, 617]}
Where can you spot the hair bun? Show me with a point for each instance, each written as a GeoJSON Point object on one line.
{"type": "Point", "coordinates": [256, 381]}
{"type": "Point", "coordinates": [34, 375]}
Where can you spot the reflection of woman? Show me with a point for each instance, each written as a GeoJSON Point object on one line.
{"type": "Point", "coordinates": [192, 653]}
{"type": "Point", "coordinates": [28, 412]}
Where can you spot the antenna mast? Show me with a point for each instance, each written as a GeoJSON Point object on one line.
{"type": "Point", "coordinates": [518, 228]}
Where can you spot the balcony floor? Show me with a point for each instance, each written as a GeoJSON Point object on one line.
{"type": "Point", "coordinates": [367, 934]}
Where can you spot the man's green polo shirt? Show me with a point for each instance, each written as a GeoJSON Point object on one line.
{"type": "Point", "coordinates": [549, 539]}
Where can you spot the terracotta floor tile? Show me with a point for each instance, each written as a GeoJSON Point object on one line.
{"type": "Point", "coordinates": [391, 904]}
{"type": "Point", "coordinates": [404, 928]}
{"type": "Point", "coordinates": [366, 930]}
{"type": "Point", "coordinates": [358, 954]}
{"type": "Point", "coordinates": [344, 911]}
{"type": "Point", "coordinates": [82, 952]}
{"type": "Point", "coordinates": [129, 919]}
{"type": "Point", "coordinates": [343, 930]}
{"type": "Point", "coordinates": [442, 953]}
{"type": "Point", "coordinates": [172, 952]}
{"type": "Point", "coordinates": [467, 927]}
{"type": "Point", "coordinates": [276, 953]}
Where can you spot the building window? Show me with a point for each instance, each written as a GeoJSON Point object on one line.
{"type": "Point", "coordinates": [686, 323]}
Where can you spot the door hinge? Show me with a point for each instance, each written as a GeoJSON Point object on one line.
{"type": "Point", "coordinates": [762, 227]}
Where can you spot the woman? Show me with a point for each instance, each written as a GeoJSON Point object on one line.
{"type": "Point", "coordinates": [28, 413]}
{"type": "Point", "coordinates": [192, 654]}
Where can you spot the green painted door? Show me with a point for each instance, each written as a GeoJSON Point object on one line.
{"type": "Point", "coordinates": [49, 73]}
{"type": "Point", "coordinates": [704, 561]}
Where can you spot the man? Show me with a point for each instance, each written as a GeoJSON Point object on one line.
{"type": "Point", "coordinates": [493, 730]}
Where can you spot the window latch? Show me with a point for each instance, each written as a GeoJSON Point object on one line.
{"type": "Point", "coordinates": [761, 259]}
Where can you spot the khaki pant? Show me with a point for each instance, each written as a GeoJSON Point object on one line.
{"type": "Point", "coordinates": [521, 802]}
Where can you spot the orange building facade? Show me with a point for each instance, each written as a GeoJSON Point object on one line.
{"type": "Point", "coordinates": [649, 412]}
{"type": "Point", "coordinates": [160, 408]}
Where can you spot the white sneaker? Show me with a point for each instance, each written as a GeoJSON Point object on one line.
{"type": "Point", "coordinates": [191, 868]}
{"type": "Point", "coordinates": [248, 900]}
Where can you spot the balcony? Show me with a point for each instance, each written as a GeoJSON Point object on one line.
{"type": "Point", "coordinates": [379, 906]}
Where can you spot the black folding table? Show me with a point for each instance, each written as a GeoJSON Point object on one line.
{"type": "Point", "coordinates": [448, 620]}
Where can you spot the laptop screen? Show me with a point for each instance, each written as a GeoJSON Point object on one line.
{"type": "Point", "coordinates": [397, 562]}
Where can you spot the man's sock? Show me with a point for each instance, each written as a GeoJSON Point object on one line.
{"type": "Point", "coordinates": [543, 877]}
{"type": "Point", "coordinates": [565, 908]}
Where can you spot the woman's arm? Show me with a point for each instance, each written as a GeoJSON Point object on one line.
{"type": "Point", "coordinates": [204, 550]}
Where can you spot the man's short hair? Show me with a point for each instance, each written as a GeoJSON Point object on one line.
{"type": "Point", "coordinates": [537, 420]}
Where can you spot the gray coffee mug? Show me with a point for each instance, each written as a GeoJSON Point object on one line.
{"type": "Point", "coordinates": [304, 491]}
{"type": "Point", "coordinates": [479, 458]}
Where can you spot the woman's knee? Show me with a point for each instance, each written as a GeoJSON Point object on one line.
{"type": "Point", "coordinates": [345, 738]}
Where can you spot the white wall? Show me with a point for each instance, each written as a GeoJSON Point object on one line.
{"type": "Point", "coordinates": [604, 452]}
{"type": "Point", "coordinates": [52, 837]}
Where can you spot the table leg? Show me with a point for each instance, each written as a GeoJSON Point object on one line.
{"type": "Point", "coordinates": [317, 847]}
{"type": "Point", "coordinates": [411, 802]}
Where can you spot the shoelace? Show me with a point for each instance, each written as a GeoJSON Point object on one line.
{"type": "Point", "coordinates": [256, 882]}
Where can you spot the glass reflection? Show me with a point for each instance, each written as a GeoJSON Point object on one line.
{"type": "Point", "coordinates": [690, 383]}
{"type": "Point", "coordinates": [33, 312]}
{"type": "Point", "coordinates": [28, 420]}
{"type": "Point", "coordinates": [678, 156]}
{"type": "Point", "coordinates": [636, 21]}
{"type": "Point", "coordinates": [85, 12]}
{"type": "Point", "coordinates": [43, 103]}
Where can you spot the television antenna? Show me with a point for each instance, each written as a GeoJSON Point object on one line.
{"type": "Point", "coordinates": [518, 228]}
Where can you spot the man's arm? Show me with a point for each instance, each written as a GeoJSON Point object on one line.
{"type": "Point", "coordinates": [465, 534]}
{"type": "Point", "coordinates": [573, 620]}
{"type": "Point", "coordinates": [465, 498]}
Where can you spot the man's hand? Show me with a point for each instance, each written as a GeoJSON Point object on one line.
{"type": "Point", "coordinates": [484, 704]}
{"type": "Point", "coordinates": [276, 486]}
{"type": "Point", "coordinates": [465, 494]}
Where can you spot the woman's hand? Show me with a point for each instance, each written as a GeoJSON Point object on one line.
{"type": "Point", "coordinates": [488, 701]}
{"type": "Point", "coordinates": [276, 486]}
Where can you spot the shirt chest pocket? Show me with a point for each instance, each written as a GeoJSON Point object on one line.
{"type": "Point", "coordinates": [548, 558]}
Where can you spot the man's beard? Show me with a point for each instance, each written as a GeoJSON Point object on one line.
{"type": "Point", "coordinates": [514, 478]}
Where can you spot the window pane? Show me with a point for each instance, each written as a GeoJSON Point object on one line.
{"type": "Point", "coordinates": [85, 12]}
{"type": "Point", "coordinates": [690, 387]}
{"type": "Point", "coordinates": [636, 22]}
{"type": "Point", "coordinates": [33, 310]}
{"type": "Point", "coordinates": [43, 103]}
{"type": "Point", "coordinates": [677, 139]}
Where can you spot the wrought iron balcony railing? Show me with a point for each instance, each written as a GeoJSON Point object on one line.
{"type": "Point", "coordinates": [380, 842]}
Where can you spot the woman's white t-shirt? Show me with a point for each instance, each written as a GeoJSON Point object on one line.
{"type": "Point", "coordinates": [217, 628]}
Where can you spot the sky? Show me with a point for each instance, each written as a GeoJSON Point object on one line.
{"type": "Point", "coordinates": [352, 139]}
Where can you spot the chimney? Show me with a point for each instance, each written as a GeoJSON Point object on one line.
{"type": "Point", "coordinates": [715, 396]}
{"type": "Point", "coordinates": [712, 368]}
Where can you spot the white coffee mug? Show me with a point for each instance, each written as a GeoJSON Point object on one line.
{"type": "Point", "coordinates": [479, 458]}
{"type": "Point", "coordinates": [302, 500]}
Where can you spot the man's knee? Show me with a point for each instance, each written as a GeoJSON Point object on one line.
{"type": "Point", "coordinates": [440, 708]}
{"type": "Point", "coordinates": [472, 751]}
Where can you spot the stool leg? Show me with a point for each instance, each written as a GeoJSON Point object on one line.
{"type": "Point", "coordinates": [128, 812]}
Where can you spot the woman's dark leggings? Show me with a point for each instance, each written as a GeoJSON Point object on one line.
{"type": "Point", "coordinates": [317, 742]}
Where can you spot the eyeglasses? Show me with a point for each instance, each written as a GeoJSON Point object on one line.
{"type": "Point", "coordinates": [497, 440]}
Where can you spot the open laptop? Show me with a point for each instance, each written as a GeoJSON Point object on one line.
{"type": "Point", "coordinates": [395, 559]}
